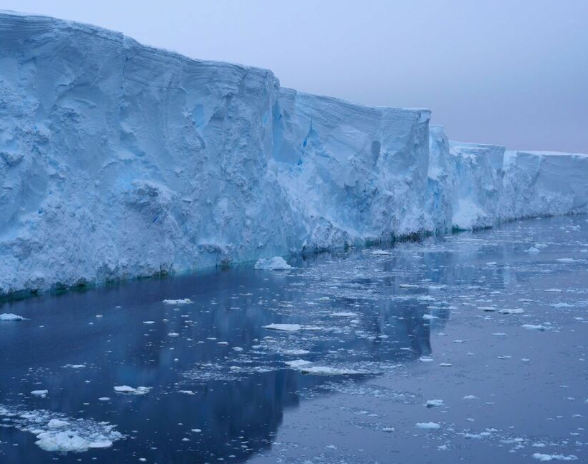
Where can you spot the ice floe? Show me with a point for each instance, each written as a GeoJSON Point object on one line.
{"type": "Point", "coordinates": [277, 263]}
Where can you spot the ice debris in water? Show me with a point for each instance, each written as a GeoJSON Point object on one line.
{"type": "Point", "coordinates": [11, 317]}
{"type": "Point", "coordinates": [283, 327]}
{"type": "Point", "coordinates": [41, 393]}
{"type": "Point", "coordinates": [182, 301]}
{"type": "Point", "coordinates": [59, 433]}
{"type": "Point", "coordinates": [554, 457]}
{"type": "Point", "coordinates": [428, 425]}
{"type": "Point", "coordinates": [533, 250]}
{"type": "Point", "coordinates": [434, 403]}
{"type": "Point", "coordinates": [277, 263]}
{"type": "Point", "coordinates": [306, 367]}
{"type": "Point", "coordinates": [125, 389]}
{"type": "Point", "coordinates": [535, 327]}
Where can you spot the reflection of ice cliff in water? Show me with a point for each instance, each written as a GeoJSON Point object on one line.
{"type": "Point", "coordinates": [224, 374]}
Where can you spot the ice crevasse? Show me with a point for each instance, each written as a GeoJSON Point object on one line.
{"type": "Point", "coordinates": [119, 160]}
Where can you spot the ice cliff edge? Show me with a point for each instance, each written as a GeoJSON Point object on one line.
{"type": "Point", "coordinates": [119, 160]}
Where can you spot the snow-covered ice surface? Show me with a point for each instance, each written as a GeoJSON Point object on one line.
{"type": "Point", "coordinates": [498, 373]}
{"type": "Point", "coordinates": [118, 161]}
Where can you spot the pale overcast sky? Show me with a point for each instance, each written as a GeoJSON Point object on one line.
{"type": "Point", "coordinates": [511, 72]}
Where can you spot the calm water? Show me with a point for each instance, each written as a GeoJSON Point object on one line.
{"type": "Point", "coordinates": [497, 333]}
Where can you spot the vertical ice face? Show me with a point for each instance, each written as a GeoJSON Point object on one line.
{"type": "Point", "coordinates": [544, 183]}
{"type": "Point", "coordinates": [353, 173]}
{"type": "Point", "coordinates": [122, 160]}
{"type": "Point", "coordinates": [119, 160]}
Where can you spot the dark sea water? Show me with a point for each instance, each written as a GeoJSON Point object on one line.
{"type": "Point", "coordinates": [497, 334]}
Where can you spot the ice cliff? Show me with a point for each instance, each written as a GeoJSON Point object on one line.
{"type": "Point", "coordinates": [119, 160]}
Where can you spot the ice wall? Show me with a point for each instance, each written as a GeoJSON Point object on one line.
{"type": "Point", "coordinates": [119, 160]}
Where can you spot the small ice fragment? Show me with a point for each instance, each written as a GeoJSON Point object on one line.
{"type": "Point", "coordinates": [428, 317]}
{"type": "Point", "coordinates": [173, 334]}
{"type": "Point", "coordinates": [512, 311]}
{"type": "Point", "coordinates": [381, 253]}
{"type": "Point", "coordinates": [298, 363]}
{"type": "Point", "coordinates": [533, 250]}
{"type": "Point", "coordinates": [277, 263]}
{"type": "Point", "coordinates": [470, 397]}
{"type": "Point", "coordinates": [182, 301]}
{"type": "Point", "coordinates": [434, 403]}
{"type": "Point", "coordinates": [283, 327]}
{"type": "Point", "coordinates": [57, 424]}
{"type": "Point", "coordinates": [426, 359]}
{"type": "Point", "coordinates": [534, 327]}
{"type": "Point", "coordinates": [125, 389]}
{"type": "Point", "coordinates": [40, 393]}
{"type": "Point", "coordinates": [296, 352]}
{"type": "Point", "coordinates": [148, 322]}
{"type": "Point", "coordinates": [445, 364]}
{"type": "Point", "coordinates": [554, 457]}
{"type": "Point", "coordinates": [11, 317]}
{"type": "Point", "coordinates": [428, 425]}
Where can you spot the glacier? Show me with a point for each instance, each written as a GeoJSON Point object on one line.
{"type": "Point", "coordinates": [119, 160]}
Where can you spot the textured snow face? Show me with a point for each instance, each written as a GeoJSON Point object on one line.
{"type": "Point", "coordinates": [352, 173]}
{"type": "Point", "coordinates": [119, 160]}
{"type": "Point", "coordinates": [544, 183]}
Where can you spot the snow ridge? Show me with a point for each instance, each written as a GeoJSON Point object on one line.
{"type": "Point", "coordinates": [119, 160]}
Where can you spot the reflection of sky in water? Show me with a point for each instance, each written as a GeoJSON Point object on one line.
{"type": "Point", "coordinates": [225, 374]}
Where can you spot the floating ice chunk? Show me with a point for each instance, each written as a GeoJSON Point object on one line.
{"type": "Point", "coordinates": [104, 398]}
{"type": "Point", "coordinates": [487, 308]}
{"type": "Point", "coordinates": [182, 301]}
{"type": "Point", "coordinates": [535, 327]}
{"type": "Point", "coordinates": [186, 392]}
{"type": "Point", "coordinates": [298, 363]}
{"type": "Point", "coordinates": [512, 311]}
{"type": "Point", "coordinates": [41, 393]}
{"type": "Point", "coordinates": [148, 322]}
{"type": "Point", "coordinates": [533, 250]}
{"type": "Point", "coordinates": [58, 433]}
{"type": "Point", "coordinates": [343, 314]}
{"type": "Point", "coordinates": [74, 366]}
{"type": "Point", "coordinates": [426, 359]}
{"type": "Point", "coordinates": [428, 425]}
{"type": "Point", "coordinates": [568, 260]}
{"type": "Point", "coordinates": [283, 327]}
{"type": "Point", "coordinates": [381, 253]}
{"type": "Point", "coordinates": [11, 317]}
{"type": "Point", "coordinates": [429, 317]}
{"type": "Point", "coordinates": [445, 364]}
{"type": "Point", "coordinates": [553, 290]}
{"type": "Point", "coordinates": [470, 397]}
{"type": "Point", "coordinates": [554, 457]}
{"type": "Point", "coordinates": [388, 429]}
{"type": "Point", "coordinates": [408, 286]}
{"type": "Point", "coordinates": [57, 423]}
{"type": "Point", "coordinates": [173, 334]}
{"type": "Point", "coordinates": [324, 370]}
{"type": "Point", "coordinates": [434, 403]}
{"type": "Point", "coordinates": [296, 352]}
{"type": "Point", "coordinates": [277, 263]}
{"type": "Point", "coordinates": [125, 389]}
